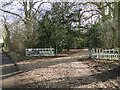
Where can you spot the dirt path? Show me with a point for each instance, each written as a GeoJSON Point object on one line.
{"type": "Point", "coordinates": [74, 71]}
{"type": "Point", "coordinates": [8, 71]}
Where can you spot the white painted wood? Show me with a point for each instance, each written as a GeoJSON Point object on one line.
{"type": "Point", "coordinates": [105, 54]}
{"type": "Point", "coordinates": [40, 52]}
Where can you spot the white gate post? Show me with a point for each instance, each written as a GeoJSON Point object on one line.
{"type": "Point", "coordinates": [97, 52]}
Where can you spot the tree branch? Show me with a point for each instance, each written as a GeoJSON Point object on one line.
{"type": "Point", "coordinates": [39, 7]}
{"type": "Point", "coordinates": [91, 16]}
{"type": "Point", "coordinates": [13, 14]}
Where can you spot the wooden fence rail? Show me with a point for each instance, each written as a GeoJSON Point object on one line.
{"type": "Point", "coordinates": [109, 54]}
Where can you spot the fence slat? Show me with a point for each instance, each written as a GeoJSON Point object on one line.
{"type": "Point", "coordinates": [105, 54]}
{"type": "Point", "coordinates": [40, 52]}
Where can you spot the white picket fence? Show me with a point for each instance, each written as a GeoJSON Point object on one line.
{"type": "Point", "coordinates": [40, 52]}
{"type": "Point", "coordinates": [109, 54]}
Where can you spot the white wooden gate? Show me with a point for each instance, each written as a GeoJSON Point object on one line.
{"type": "Point", "coordinates": [40, 52]}
{"type": "Point", "coordinates": [110, 54]}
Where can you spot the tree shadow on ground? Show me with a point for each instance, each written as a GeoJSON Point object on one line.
{"type": "Point", "coordinates": [69, 82]}
{"type": "Point", "coordinates": [6, 59]}
{"type": "Point", "coordinates": [12, 70]}
{"type": "Point", "coordinates": [7, 67]}
{"type": "Point", "coordinates": [46, 64]}
{"type": "Point", "coordinates": [10, 75]}
{"type": "Point", "coordinates": [29, 58]}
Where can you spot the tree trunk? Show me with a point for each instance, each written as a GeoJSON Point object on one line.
{"type": "Point", "coordinates": [7, 38]}
{"type": "Point", "coordinates": [119, 24]}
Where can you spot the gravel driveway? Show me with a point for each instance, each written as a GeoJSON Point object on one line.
{"type": "Point", "coordinates": [66, 72]}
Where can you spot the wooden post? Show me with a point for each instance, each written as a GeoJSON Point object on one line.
{"type": "Point", "coordinates": [118, 53]}
{"type": "Point", "coordinates": [100, 56]}
{"type": "Point", "coordinates": [103, 54]}
{"type": "Point", "coordinates": [97, 52]}
{"type": "Point", "coordinates": [109, 55]}
{"type": "Point", "coordinates": [26, 51]}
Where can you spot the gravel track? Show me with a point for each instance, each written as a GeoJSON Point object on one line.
{"type": "Point", "coordinates": [74, 71]}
